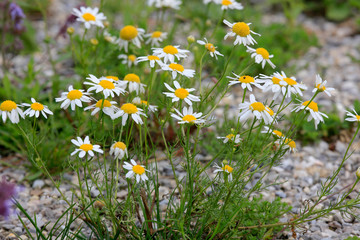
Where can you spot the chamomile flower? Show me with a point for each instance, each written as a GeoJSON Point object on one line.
{"type": "Point", "coordinates": [352, 117]}
{"type": "Point", "coordinates": [136, 170]}
{"type": "Point", "coordinates": [129, 109]}
{"type": "Point", "coordinates": [231, 137]}
{"type": "Point", "coordinates": [105, 105]}
{"type": "Point", "coordinates": [9, 109]}
{"type": "Point", "coordinates": [108, 37]}
{"type": "Point", "coordinates": [290, 84]}
{"type": "Point", "coordinates": [276, 133]}
{"type": "Point", "coordinates": [133, 82]}
{"type": "Point", "coordinates": [261, 55]}
{"type": "Point", "coordinates": [245, 81]}
{"type": "Point", "coordinates": [271, 83]}
{"type": "Point", "coordinates": [312, 107]}
{"type": "Point", "coordinates": [131, 34]}
{"type": "Point", "coordinates": [176, 68]}
{"type": "Point", "coordinates": [85, 147]}
{"type": "Point", "coordinates": [89, 16]}
{"type": "Point", "coordinates": [129, 60]}
{"type": "Point", "coordinates": [320, 86]}
{"type": "Point", "coordinates": [36, 108]}
{"type": "Point", "coordinates": [188, 116]}
{"type": "Point", "coordinates": [225, 168]}
{"type": "Point", "coordinates": [151, 58]}
{"type": "Point", "coordinates": [137, 101]}
{"type": "Point", "coordinates": [119, 150]}
{"type": "Point", "coordinates": [256, 109]}
{"type": "Point", "coordinates": [288, 143]}
{"type": "Point", "coordinates": [181, 93]}
{"type": "Point", "coordinates": [155, 38]}
{"type": "Point", "coordinates": [210, 47]}
{"type": "Point", "coordinates": [73, 98]}
{"type": "Point", "coordinates": [242, 32]}
{"type": "Point", "coordinates": [169, 53]}
{"type": "Point", "coordinates": [104, 85]}
{"type": "Point", "coordinates": [230, 4]}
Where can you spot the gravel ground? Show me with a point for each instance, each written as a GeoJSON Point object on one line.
{"type": "Point", "coordinates": [302, 171]}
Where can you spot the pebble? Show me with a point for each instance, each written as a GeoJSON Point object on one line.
{"type": "Point", "coordinates": [38, 183]}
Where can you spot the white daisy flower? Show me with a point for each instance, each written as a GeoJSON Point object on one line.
{"type": "Point", "coordinates": [129, 34]}
{"type": "Point", "coordinates": [320, 86]}
{"type": "Point", "coordinates": [174, 4]}
{"type": "Point", "coordinates": [128, 59]}
{"type": "Point", "coordinates": [188, 116]}
{"type": "Point", "coordinates": [245, 81]}
{"type": "Point", "coordinates": [151, 58]}
{"type": "Point", "coordinates": [105, 85]}
{"type": "Point", "coordinates": [242, 32]}
{"type": "Point", "coordinates": [261, 55]}
{"type": "Point", "coordinates": [210, 47]}
{"type": "Point", "coordinates": [230, 4]}
{"type": "Point", "coordinates": [137, 101]}
{"type": "Point", "coordinates": [175, 68]}
{"type": "Point", "coordinates": [231, 137]}
{"type": "Point", "coordinates": [352, 117]}
{"type": "Point", "coordinates": [119, 150]}
{"type": "Point", "coordinates": [133, 82]}
{"type": "Point", "coordinates": [89, 16]}
{"type": "Point", "coordinates": [225, 168]}
{"type": "Point", "coordinates": [108, 37]}
{"type": "Point", "coordinates": [181, 93]}
{"type": "Point", "coordinates": [9, 109]}
{"type": "Point", "coordinates": [256, 109]}
{"type": "Point", "coordinates": [107, 107]}
{"type": "Point", "coordinates": [36, 108]}
{"type": "Point", "coordinates": [169, 53]}
{"type": "Point", "coordinates": [73, 98]}
{"type": "Point", "coordinates": [271, 83]}
{"type": "Point", "coordinates": [290, 83]}
{"type": "Point", "coordinates": [130, 109]}
{"type": "Point", "coordinates": [312, 107]}
{"type": "Point", "coordinates": [288, 143]}
{"type": "Point", "coordinates": [136, 170]}
{"type": "Point", "coordinates": [209, 1]}
{"type": "Point", "coordinates": [276, 133]}
{"type": "Point", "coordinates": [85, 147]}
{"type": "Point", "coordinates": [155, 38]}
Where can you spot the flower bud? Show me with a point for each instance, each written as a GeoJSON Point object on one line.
{"type": "Point", "coordinates": [225, 162]}
{"type": "Point", "coordinates": [358, 172]}
{"type": "Point", "coordinates": [208, 23]}
{"type": "Point", "coordinates": [94, 41]}
{"type": "Point", "coordinates": [70, 30]}
{"type": "Point", "coordinates": [106, 24]}
{"type": "Point", "coordinates": [191, 39]}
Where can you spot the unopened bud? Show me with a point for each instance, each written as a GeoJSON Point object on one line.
{"type": "Point", "coordinates": [70, 30]}
{"type": "Point", "coordinates": [208, 23]}
{"type": "Point", "coordinates": [358, 172]}
{"type": "Point", "coordinates": [94, 41]}
{"type": "Point", "coordinates": [225, 162]}
{"type": "Point", "coordinates": [191, 39]}
{"type": "Point", "coordinates": [106, 24]}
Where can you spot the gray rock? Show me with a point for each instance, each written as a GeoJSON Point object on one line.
{"type": "Point", "coordinates": [38, 183]}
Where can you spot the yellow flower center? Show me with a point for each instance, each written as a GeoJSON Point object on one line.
{"type": "Point", "coordinates": [8, 106]}
{"type": "Point", "coordinates": [105, 104]}
{"type": "Point", "coordinates": [227, 168]}
{"type": "Point", "coordinates": [181, 93]}
{"type": "Point", "coordinates": [151, 57]}
{"type": "Point", "coordinates": [269, 110]}
{"type": "Point", "coordinates": [128, 32]}
{"type": "Point", "coordinates": [177, 67]}
{"type": "Point", "coordinates": [86, 147]}
{"type": "Point", "coordinates": [120, 145]}
{"type": "Point", "coordinates": [263, 52]}
{"type": "Point", "coordinates": [170, 50]}
{"type": "Point", "coordinates": [132, 57]}
{"type": "Point", "coordinates": [106, 84]}
{"type": "Point", "coordinates": [241, 29]}
{"type": "Point", "coordinates": [156, 34]}
{"type": "Point", "coordinates": [257, 106]}
{"type": "Point", "coordinates": [226, 2]}
{"type": "Point", "coordinates": [189, 118]}
{"type": "Point", "coordinates": [37, 106]}
{"type": "Point", "coordinates": [278, 133]}
{"type": "Point", "coordinates": [276, 80]}
{"type": "Point", "coordinates": [321, 89]}
{"type": "Point", "coordinates": [290, 81]}
{"type": "Point", "coordinates": [230, 136]}
{"type": "Point", "coordinates": [88, 17]}
{"type": "Point", "coordinates": [74, 94]}
{"type": "Point", "coordinates": [246, 79]}
{"type": "Point", "coordinates": [144, 102]}
{"type": "Point", "coordinates": [113, 78]}
{"type": "Point", "coordinates": [129, 108]}
{"type": "Point", "coordinates": [312, 105]}
{"type": "Point", "coordinates": [138, 169]}
{"type": "Point", "coordinates": [210, 47]}
{"type": "Point", "coordinates": [358, 117]}
{"type": "Point", "coordinates": [131, 77]}
{"type": "Point", "coordinates": [290, 143]}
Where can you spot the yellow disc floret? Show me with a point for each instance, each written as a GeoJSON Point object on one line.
{"type": "Point", "coordinates": [290, 143]}
{"type": "Point", "coordinates": [189, 118]}
{"type": "Point", "coordinates": [129, 108]}
{"type": "Point", "coordinates": [113, 78]}
{"type": "Point", "coordinates": [86, 147]}
{"type": "Point", "coordinates": [169, 49]}
{"type": "Point", "coordinates": [132, 58]}
{"type": "Point", "coordinates": [8, 105]}
{"type": "Point", "coordinates": [88, 17]}
{"type": "Point", "coordinates": [74, 94]}
{"type": "Point", "coordinates": [156, 34]}
{"type": "Point", "coordinates": [227, 168]}
{"type": "Point", "coordinates": [246, 79]}
{"type": "Point", "coordinates": [277, 133]}
{"type": "Point", "coordinates": [257, 106]}
{"type": "Point", "coordinates": [128, 32]}
{"type": "Point", "coordinates": [152, 57]}
{"type": "Point", "coordinates": [263, 52]}
{"type": "Point", "coordinates": [276, 80]}
{"type": "Point", "coordinates": [37, 106]}
{"type": "Point", "coordinates": [177, 67]}
{"type": "Point", "coordinates": [226, 2]}
{"type": "Point", "coordinates": [269, 110]}
{"type": "Point", "coordinates": [290, 81]}
{"type": "Point", "coordinates": [120, 145]}
{"type": "Point", "coordinates": [241, 29]}
{"type": "Point", "coordinates": [131, 77]}
{"type": "Point", "coordinates": [210, 47]}
{"type": "Point", "coordinates": [138, 169]}
{"type": "Point", "coordinates": [313, 105]}
{"type": "Point", "coordinates": [106, 84]}
{"type": "Point", "coordinates": [321, 89]}
{"type": "Point", "coordinates": [181, 93]}
{"type": "Point", "coordinates": [105, 104]}
{"type": "Point", "coordinates": [230, 136]}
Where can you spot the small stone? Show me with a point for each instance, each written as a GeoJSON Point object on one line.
{"type": "Point", "coordinates": [38, 183]}
{"type": "Point", "coordinates": [280, 194]}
